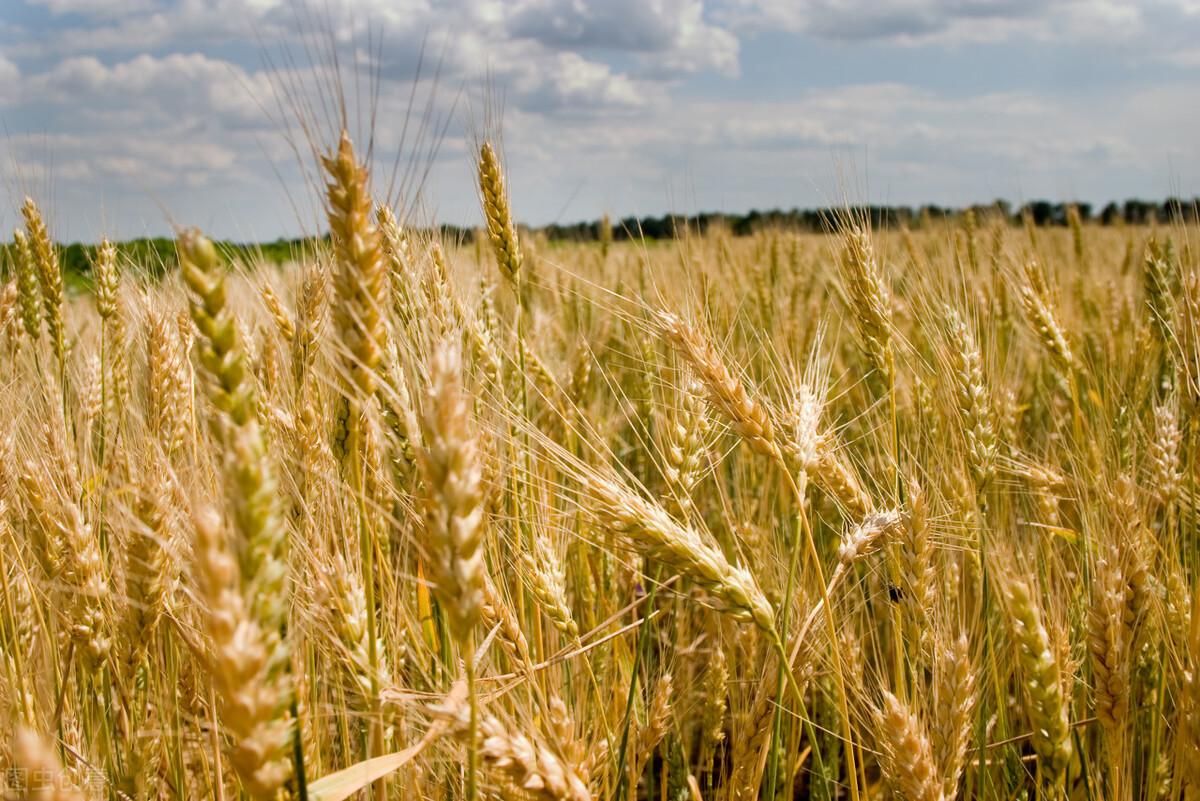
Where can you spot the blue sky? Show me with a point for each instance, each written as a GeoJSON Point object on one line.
{"type": "Point", "coordinates": [122, 116]}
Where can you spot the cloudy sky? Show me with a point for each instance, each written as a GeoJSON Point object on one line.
{"type": "Point", "coordinates": [123, 115]}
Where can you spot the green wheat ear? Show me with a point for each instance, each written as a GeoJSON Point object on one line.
{"type": "Point", "coordinates": [245, 583]}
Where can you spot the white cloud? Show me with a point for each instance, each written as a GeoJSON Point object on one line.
{"type": "Point", "coordinates": [9, 77]}
{"type": "Point", "coordinates": [581, 83]}
{"type": "Point", "coordinates": [146, 126]}
{"type": "Point", "coordinates": [560, 49]}
{"type": "Point", "coordinates": [607, 104]}
{"type": "Point", "coordinates": [864, 19]}
{"type": "Point", "coordinates": [668, 35]}
{"type": "Point", "coordinates": [699, 45]}
{"type": "Point", "coordinates": [947, 21]}
{"type": "Point", "coordinates": [532, 78]}
{"type": "Point", "coordinates": [95, 8]}
{"type": "Point", "coordinates": [160, 88]}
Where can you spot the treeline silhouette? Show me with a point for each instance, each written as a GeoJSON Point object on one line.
{"type": "Point", "coordinates": [1040, 212]}
{"type": "Point", "coordinates": [156, 256]}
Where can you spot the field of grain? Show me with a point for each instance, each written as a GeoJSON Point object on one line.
{"type": "Point", "coordinates": [841, 516]}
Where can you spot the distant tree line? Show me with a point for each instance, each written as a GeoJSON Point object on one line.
{"type": "Point", "coordinates": [154, 257]}
{"type": "Point", "coordinates": [157, 256]}
{"type": "Point", "coordinates": [1041, 212]}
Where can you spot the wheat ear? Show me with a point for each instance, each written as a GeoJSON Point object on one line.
{"type": "Point", "coordinates": [974, 400]}
{"type": "Point", "coordinates": [1040, 310]}
{"type": "Point", "coordinates": [247, 601]}
{"type": "Point", "coordinates": [106, 279]}
{"type": "Point", "coordinates": [653, 532]}
{"type": "Point", "coordinates": [167, 386]}
{"type": "Point", "coordinates": [262, 555]}
{"type": "Point", "coordinates": [874, 533]}
{"type": "Point", "coordinates": [954, 703]}
{"type": "Point", "coordinates": [869, 300]}
{"type": "Point", "coordinates": [37, 771]}
{"type": "Point", "coordinates": [454, 513]}
{"type": "Point", "coordinates": [1164, 455]}
{"type": "Point", "coordinates": [149, 571]}
{"type": "Point", "coordinates": [253, 706]}
{"type": "Point", "coordinates": [361, 277]}
{"type": "Point", "coordinates": [907, 757]}
{"type": "Point", "coordinates": [726, 392]}
{"type": "Point", "coordinates": [1110, 638]}
{"type": "Point", "coordinates": [501, 230]}
{"type": "Point", "coordinates": [1045, 697]}
{"type": "Point", "coordinates": [534, 767]}
{"type": "Point", "coordinates": [45, 256]}
{"type": "Point", "coordinates": [27, 284]}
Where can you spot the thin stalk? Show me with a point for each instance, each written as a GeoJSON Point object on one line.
{"type": "Point", "coordinates": [784, 662]}
{"type": "Point", "coordinates": [298, 752]}
{"type": "Point", "coordinates": [892, 562]}
{"type": "Point", "coordinates": [643, 643]}
{"type": "Point", "coordinates": [367, 546]}
{"type": "Point", "coordinates": [831, 627]}
{"type": "Point", "coordinates": [473, 726]}
{"type": "Point", "coordinates": [101, 529]}
{"type": "Point", "coordinates": [215, 734]}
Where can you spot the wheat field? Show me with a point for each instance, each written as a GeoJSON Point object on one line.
{"type": "Point", "coordinates": [851, 515]}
